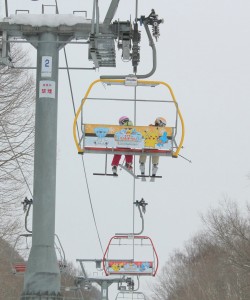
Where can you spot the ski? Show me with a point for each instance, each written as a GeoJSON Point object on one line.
{"type": "Point", "coordinates": [129, 171]}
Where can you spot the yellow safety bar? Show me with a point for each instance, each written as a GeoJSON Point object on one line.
{"type": "Point", "coordinates": [148, 82]}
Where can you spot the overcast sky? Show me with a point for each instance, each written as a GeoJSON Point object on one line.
{"type": "Point", "coordinates": [203, 53]}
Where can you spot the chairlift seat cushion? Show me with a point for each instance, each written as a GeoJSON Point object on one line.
{"type": "Point", "coordinates": [20, 268]}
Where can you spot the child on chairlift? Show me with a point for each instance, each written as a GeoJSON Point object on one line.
{"type": "Point", "coordinates": [159, 122]}
{"type": "Point", "coordinates": [123, 121]}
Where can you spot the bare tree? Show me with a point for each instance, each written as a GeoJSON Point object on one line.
{"type": "Point", "coordinates": [214, 265]}
{"type": "Point", "coordinates": [11, 285]}
{"type": "Point", "coordinates": [17, 95]}
{"type": "Point", "coordinates": [231, 229]}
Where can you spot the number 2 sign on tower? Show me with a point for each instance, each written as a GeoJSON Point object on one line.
{"type": "Point", "coordinates": [46, 70]}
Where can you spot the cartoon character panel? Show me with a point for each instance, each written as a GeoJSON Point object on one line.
{"type": "Point", "coordinates": [139, 137]}
{"type": "Point", "coordinates": [123, 267]}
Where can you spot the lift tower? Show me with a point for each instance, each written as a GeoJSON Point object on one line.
{"type": "Point", "coordinates": [42, 276]}
{"type": "Point", "coordinates": [48, 34]}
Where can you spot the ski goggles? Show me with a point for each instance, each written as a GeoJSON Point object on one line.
{"type": "Point", "coordinates": [124, 121]}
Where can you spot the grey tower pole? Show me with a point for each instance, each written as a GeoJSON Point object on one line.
{"type": "Point", "coordinates": [104, 290]}
{"type": "Point", "coordinates": [42, 276]}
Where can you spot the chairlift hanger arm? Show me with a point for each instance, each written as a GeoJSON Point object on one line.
{"type": "Point", "coordinates": [26, 208]}
{"type": "Point", "coordinates": [138, 204]}
{"type": "Point", "coordinates": [111, 12]}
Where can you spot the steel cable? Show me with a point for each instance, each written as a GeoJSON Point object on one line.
{"type": "Point", "coordinates": [85, 173]}
{"type": "Point", "coordinates": [15, 157]}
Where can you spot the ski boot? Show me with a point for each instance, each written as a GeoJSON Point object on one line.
{"type": "Point", "coordinates": [154, 169]}
{"type": "Point", "coordinates": [142, 168]}
{"type": "Point", "coordinates": [114, 170]}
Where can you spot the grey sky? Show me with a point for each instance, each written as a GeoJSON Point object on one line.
{"type": "Point", "coordinates": [203, 53]}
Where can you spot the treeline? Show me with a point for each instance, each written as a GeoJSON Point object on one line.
{"type": "Point", "coordinates": [214, 264]}
{"type": "Point", "coordinates": [17, 103]}
{"type": "Point", "coordinates": [11, 285]}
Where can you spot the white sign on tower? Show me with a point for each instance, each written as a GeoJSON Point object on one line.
{"type": "Point", "coordinates": [46, 69]}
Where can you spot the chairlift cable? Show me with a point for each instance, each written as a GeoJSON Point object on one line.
{"type": "Point", "coordinates": [15, 157]}
{"type": "Point", "coordinates": [70, 87]}
{"type": "Point", "coordinates": [91, 205]}
{"type": "Point", "coordinates": [69, 78]}
{"type": "Point", "coordinates": [135, 97]}
{"type": "Point", "coordinates": [85, 173]}
{"type": "Point", "coordinates": [136, 10]}
{"type": "Point", "coordinates": [134, 182]}
{"type": "Point", "coordinates": [6, 9]}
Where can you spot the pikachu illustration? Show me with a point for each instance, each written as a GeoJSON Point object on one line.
{"type": "Point", "coordinates": [150, 137]}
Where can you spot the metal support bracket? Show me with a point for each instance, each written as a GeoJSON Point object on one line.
{"type": "Point", "coordinates": [5, 58]}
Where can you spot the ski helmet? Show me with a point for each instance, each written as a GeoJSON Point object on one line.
{"type": "Point", "coordinates": [123, 120]}
{"type": "Point", "coordinates": [160, 122]}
